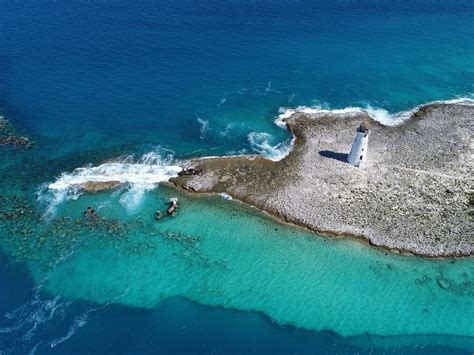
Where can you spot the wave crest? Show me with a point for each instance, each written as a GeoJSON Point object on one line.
{"type": "Point", "coordinates": [150, 169]}
{"type": "Point", "coordinates": [378, 114]}
{"type": "Point", "coordinates": [140, 175]}
{"type": "Point", "coordinates": [261, 143]}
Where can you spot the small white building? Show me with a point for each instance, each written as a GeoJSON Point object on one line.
{"type": "Point", "coordinates": [358, 154]}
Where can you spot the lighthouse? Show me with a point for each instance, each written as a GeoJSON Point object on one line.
{"type": "Point", "coordinates": [358, 154]}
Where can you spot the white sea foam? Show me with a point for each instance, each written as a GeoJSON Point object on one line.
{"type": "Point", "coordinates": [43, 312]}
{"type": "Point", "coordinates": [204, 127]}
{"type": "Point", "coordinates": [82, 319]}
{"type": "Point", "coordinates": [227, 130]}
{"type": "Point", "coordinates": [261, 143]}
{"type": "Point", "coordinates": [145, 173]}
{"type": "Point", "coordinates": [33, 349]}
{"type": "Point", "coordinates": [51, 198]}
{"type": "Point", "coordinates": [79, 322]}
{"type": "Point", "coordinates": [226, 196]}
{"type": "Point", "coordinates": [132, 198]}
{"type": "Point", "coordinates": [386, 118]}
{"type": "Point", "coordinates": [31, 315]}
{"type": "Point", "coordinates": [222, 101]}
{"type": "Point", "coordinates": [140, 175]}
{"type": "Point", "coordinates": [378, 114]}
{"type": "Point", "coordinates": [150, 169]}
{"type": "Point", "coordinates": [315, 111]}
{"type": "Point", "coordinates": [269, 88]}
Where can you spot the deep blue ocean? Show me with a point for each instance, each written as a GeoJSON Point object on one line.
{"type": "Point", "coordinates": [89, 81]}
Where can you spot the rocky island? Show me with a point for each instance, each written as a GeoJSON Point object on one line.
{"type": "Point", "coordinates": [414, 194]}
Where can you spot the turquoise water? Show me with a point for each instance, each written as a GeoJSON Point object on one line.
{"type": "Point", "coordinates": [221, 254]}
{"type": "Point", "coordinates": [300, 279]}
{"type": "Point", "coordinates": [93, 81]}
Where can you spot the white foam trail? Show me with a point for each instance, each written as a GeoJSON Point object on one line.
{"type": "Point", "coordinates": [133, 197]}
{"type": "Point", "coordinates": [269, 88]}
{"type": "Point", "coordinates": [34, 348]}
{"type": "Point", "coordinates": [53, 199]}
{"type": "Point", "coordinates": [81, 320]}
{"type": "Point", "coordinates": [140, 175]}
{"type": "Point", "coordinates": [149, 170]}
{"type": "Point", "coordinates": [222, 101]}
{"type": "Point", "coordinates": [44, 312]}
{"type": "Point", "coordinates": [378, 114]}
{"type": "Point", "coordinates": [314, 111]}
{"type": "Point", "coordinates": [261, 143]}
{"type": "Point", "coordinates": [33, 314]}
{"type": "Point", "coordinates": [204, 127]}
{"type": "Point", "coordinates": [386, 118]}
{"type": "Point", "coordinates": [227, 130]}
{"type": "Point", "coordinates": [466, 101]}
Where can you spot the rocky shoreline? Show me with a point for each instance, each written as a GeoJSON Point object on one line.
{"type": "Point", "coordinates": [415, 193]}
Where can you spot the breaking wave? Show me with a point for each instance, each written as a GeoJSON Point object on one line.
{"type": "Point", "coordinates": [143, 174]}
{"type": "Point", "coordinates": [139, 176]}
{"type": "Point", "coordinates": [261, 143]}
{"type": "Point", "coordinates": [378, 114]}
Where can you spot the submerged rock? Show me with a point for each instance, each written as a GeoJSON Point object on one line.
{"type": "Point", "coordinates": [8, 136]}
{"type": "Point", "coordinates": [15, 141]}
{"type": "Point", "coordinates": [3, 124]}
{"type": "Point", "coordinates": [158, 215]}
{"type": "Point", "coordinates": [443, 283]}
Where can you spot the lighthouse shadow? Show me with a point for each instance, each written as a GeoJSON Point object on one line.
{"type": "Point", "coordinates": [334, 155]}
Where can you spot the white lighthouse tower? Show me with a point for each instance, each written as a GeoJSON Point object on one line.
{"type": "Point", "coordinates": [358, 154]}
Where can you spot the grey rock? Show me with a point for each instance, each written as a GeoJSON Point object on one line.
{"type": "Point", "coordinates": [397, 201]}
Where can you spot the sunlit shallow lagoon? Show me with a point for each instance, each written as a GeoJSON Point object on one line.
{"type": "Point", "coordinates": [220, 253]}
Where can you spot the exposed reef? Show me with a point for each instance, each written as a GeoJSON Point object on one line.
{"type": "Point", "coordinates": [413, 194]}
{"type": "Point", "coordinates": [96, 186]}
{"type": "Point", "coordinates": [8, 136]}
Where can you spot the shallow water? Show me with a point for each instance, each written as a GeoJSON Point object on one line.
{"type": "Point", "coordinates": [218, 253]}
{"type": "Point", "coordinates": [156, 82]}
{"type": "Point", "coordinates": [176, 325]}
